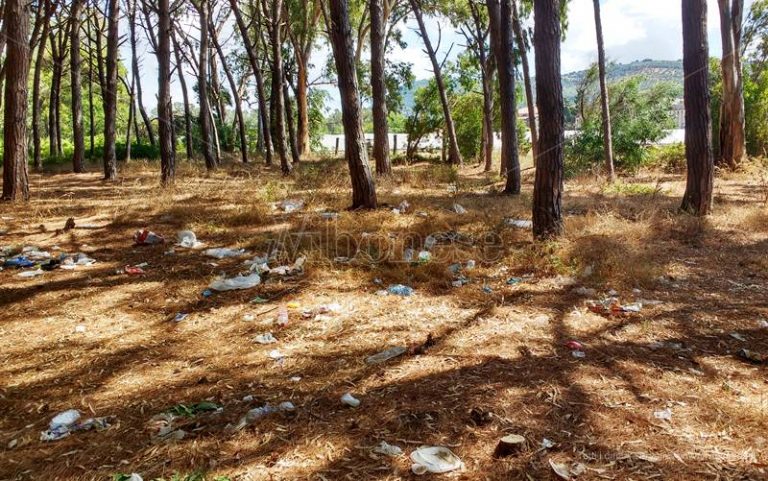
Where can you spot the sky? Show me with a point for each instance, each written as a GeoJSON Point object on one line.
{"type": "Point", "coordinates": [632, 29]}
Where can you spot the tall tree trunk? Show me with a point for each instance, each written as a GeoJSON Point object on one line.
{"type": "Point", "coordinates": [732, 137]}
{"type": "Point", "coordinates": [54, 148]}
{"type": "Point", "coordinates": [235, 97]}
{"type": "Point", "coordinates": [523, 49]}
{"type": "Point", "coordinates": [487, 81]}
{"type": "Point", "coordinates": [185, 97]}
{"type": "Point", "coordinates": [698, 120]}
{"type": "Point", "coordinates": [250, 48]}
{"type": "Point", "coordinates": [164, 105]}
{"type": "Point", "coordinates": [221, 109]}
{"type": "Point", "coordinates": [340, 32]}
{"type": "Point", "coordinates": [91, 107]}
{"type": "Point", "coordinates": [292, 141]}
{"type": "Point", "coordinates": [202, 83]}
{"type": "Point", "coordinates": [37, 100]}
{"type": "Point", "coordinates": [548, 189]}
{"type": "Point", "coordinates": [16, 31]}
{"type": "Point", "coordinates": [131, 114]}
{"type": "Point", "coordinates": [135, 68]}
{"type": "Point", "coordinates": [604, 100]}
{"type": "Point", "coordinates": [454, 157]}
{"type": "Point", "coordinates": [502, 40]}
{"type": "Point", "coordinates": [110, 94]}
{"type": "Point", "coordinates": [278, 106]}
{"type": "Point", "coordinates": [379, 89]}
{"type": "Point", "coordinates": [302, 102]}
{"type": "Point", "coordinates": [78, 132]}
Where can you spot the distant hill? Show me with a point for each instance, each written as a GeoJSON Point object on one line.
{"type": "Point", "coordinates": [654, 72]}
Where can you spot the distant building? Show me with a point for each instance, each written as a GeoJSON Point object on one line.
{"type": "Point", "coordinates": [678, 112]}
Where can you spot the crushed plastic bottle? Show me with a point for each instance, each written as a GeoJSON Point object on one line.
{"type": "Point", "coordinates": [400, 290]}
{"type": "Point", "coordinates": [282, 316]}
{"type": "Point", "coordinates": [349, 400]}
{"type": "Point", "coordinates": [434, 459]}
{"type": "Point", "coordinates": [235, 283]}
{"type": "Point", "coordinates": [387, 449]}
{"type": "Point", "coordinates": [267, 338]}
{"type": "Point", "coordinates": [187, 239]}
{"type": "Point", "coordinates": [385, 356]}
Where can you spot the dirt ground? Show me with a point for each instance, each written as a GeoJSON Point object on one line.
{"type": "Point", "coordinates": [484, 360]}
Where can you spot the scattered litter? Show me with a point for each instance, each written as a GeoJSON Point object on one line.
{"type": "Point", "coordinates": [665, 415]}
{"type": "Point", "coordinates": [566, 471]}
{"type": "Point", "coordinates": [342, 260]}
{"type": "Point", "coordinates": [547, 444]}
{"type": "Point", "coordinates": [127, 477]}
{"type": "Point", "coordinates": [19, 262]}
{"type": "Point", "coordinates": [487, 290]}
{"type": "Point", "coordinates": [258, 264]}
{"type": "Point", "coordinates": [434, 459]}
{"type": "Point", "coordinates": [430, 242]}
{"type": "Point", "coordinates": [295, 269]}
{"type": "Point", "coordinates": [248, 317]}
{"type": "Point", "coordinates": [35, 254]}
{"type": "Point", "coordinates": [330, 215]}
{"type": "Point", "coordinates": [188, 239]}
{"type": "Point", "coordinates": [248, 398]}
{"type": "Point", "coordinates": [738, 337]}
{"type": "Point", "coordinates": [224, 253]}
{"type": "Point", "coordinates": [295, 379]}
{"type": "Point", "coordinates": [276, 355]}
{"type": "Point", "coordinates": [387, 449]}
{"type": "Point", "coordinates": [574, 346]}
{"type": "Point", "coordinates": [68, 422]}
{"type": "Point", "coordinates": [290, 205]}
{"type": "Point", "coordinates": [518, 223]}
{"type": "Point", "coordinates": [400, 290]}
{"type": "Point", "coordinates": [235, 283]}
{"type": "Point", "coordinates": [408, 254]}
{"type": "Point", "coordinates": [424, 257]}
{"type": "Point", "coordinates": [403, 208]}
{"type": "Point", "coordinates": [259, 300]}
{"type": "Point", "coordinates": [261, 412]}
{"type": "Point", "coordinates": [385, 356]}
{"type": "Point", "coordinates": [612, 307]}
{"type": "Point", "coordinates": [675, 346]}
{"type": "Point", "coordinates": [349, 400]}
{"type": "Point", "coordinates": [282, 316]}
{"type": "Point", "coordinates": [753, 357]}
{"type": "Point", "coordinates": [133, 270]}
{"type": "Point", "coordinates": [267, 338]}
{"type": "Point", "coordinates": [513, 281]}
{"type": "Point", "coordinates": [147, 238]}
{"type": "Point", "coordinates": [207, 293]}
{"type": "Point", "coordinates": [80, 329]}
{"type": "Point", "coordinates": [457, 208]}
{"type": "Point", "coordinates": [579, 354]}
{"type": "Point", "coordinates": [180, 317]}
{"type": "Point", "coordinates": [71, 262]}
{"type": "Point", "coordinates": [31, 274]}
{"type": "Point", "coordinates": [762, 324]}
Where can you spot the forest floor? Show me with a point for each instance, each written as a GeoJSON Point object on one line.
{"type": "Point", "coordinates": [659, 394]}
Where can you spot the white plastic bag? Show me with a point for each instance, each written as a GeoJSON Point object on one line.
{"type": "Point", "coordinates": [434, 459]}
{"type": "Point", "coordinates": [235, 283]}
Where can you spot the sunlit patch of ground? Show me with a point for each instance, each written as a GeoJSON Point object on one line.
{"type": "Point", "coordinates": [104, 342]}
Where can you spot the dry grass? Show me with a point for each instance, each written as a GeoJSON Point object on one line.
{"type": "Point", "coordinates": [499, 351]}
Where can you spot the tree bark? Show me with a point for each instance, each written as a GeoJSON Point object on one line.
{"type": "Point", "coordinates": [488, 134]}
{"type": "Point", "coordinates": [91, 106]}
{"type": "Point", "coordinates": [379, 89]}
{"type": "Point", "coordinates": [340, 32]}
{"type": "Point", "coordinates": [302, 102]}
{"type": "Point", "coordinates": [164, 105]}
{"type": "Point", "coordinates": [211, 161]}
{"type": "Point", "coordinates": [110, 95]}
{"type": "Point", "coordinates": [37, 100]}
{"type": "Point", "coordinates": [16, 31]}
{"type": "Point", "coordinates": [548, 188]}
{"type": "Point", "coordinates": [502, 40]}
{"type": "Point", "coordinates": [454, 156]}
{"type": "Point", "coordinates": [530, 102]}
{"type": "Point", "coordinates": [235, 98]}
{"type": "Point", "coordinates": [78, 132]}
{"type": "Point", "coordinates": [278, 102]}
{"type": "Point", "coordinates": [698, 121]}
{"type": "Point", "coordinates": [604, 100]}
{"type": "Point", "coordinates": [58, 54]}
{"type": "Point", "coordinates": [292, 135]}
{"type": "Point", "coordinates": [732, 122]}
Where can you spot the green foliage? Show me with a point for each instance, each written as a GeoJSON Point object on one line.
{"type": "Point", "coordinates": [638, 118]}
{"type": "Point", "coordinates": [670, 158]}
{"type": "Point", "coordinates": [756, 110]}
{"type": "Point", "coordinates": [468, 117]}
